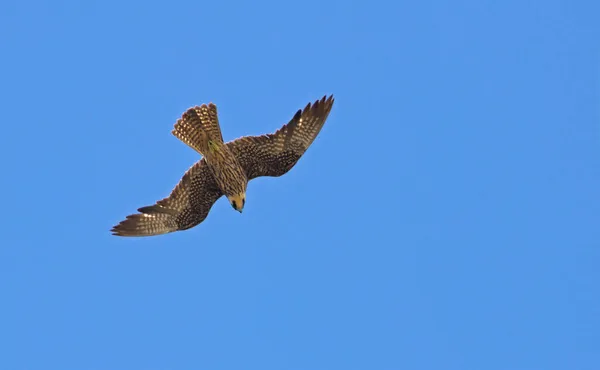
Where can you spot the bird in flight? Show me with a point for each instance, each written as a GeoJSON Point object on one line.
{"type": "Point", "coordinates": [225, 168]}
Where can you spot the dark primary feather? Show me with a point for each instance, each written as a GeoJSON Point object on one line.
{"type": "Point", "coordinates": [275, 154]}
{"type": "Point", "coordinates": [186, 206]}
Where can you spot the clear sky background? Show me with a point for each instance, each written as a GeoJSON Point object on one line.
{"type": "Point", "coordinates": [445, 218]}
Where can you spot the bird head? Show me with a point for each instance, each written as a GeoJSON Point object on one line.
{"type": "Point", "coordinates": [237, 201]}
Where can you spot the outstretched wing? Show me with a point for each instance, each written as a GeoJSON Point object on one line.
{"type": "Point", "coordinates": [186, 206]}
{"type": "Point", "coordinates": [275, 154]}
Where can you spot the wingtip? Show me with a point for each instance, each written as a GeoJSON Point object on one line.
{"type": "Point", "coordinates": [297, 115]}
{"type": "Point", "coordinates": [325, 103]}
{"type": "Point", "coordinates": [325, 100]}
{"type": "Point", "coordinates": [115, 231]}
{"type": "Point", "coordinates": [120, 229]}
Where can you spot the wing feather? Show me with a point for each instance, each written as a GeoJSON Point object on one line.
{"type": "Point", "coordinates": [188, 205]}
{"type": "Point", "coordinates": [276, 153]}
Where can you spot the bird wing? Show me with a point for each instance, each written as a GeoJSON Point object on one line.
{"type": "Point", "coordinates": [276, 153]}
{"type": "Point", "coordinates": [186, 206]}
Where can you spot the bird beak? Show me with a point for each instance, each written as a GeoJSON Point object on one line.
{"type": "Point", "coordinates": [240, 210]}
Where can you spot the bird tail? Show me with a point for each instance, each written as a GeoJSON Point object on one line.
{"type": "Point", "coordinates": [199, 128]}
{"type": "Point", "coordinates": [153, 220]}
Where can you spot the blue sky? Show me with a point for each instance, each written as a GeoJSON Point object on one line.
{"type": "Point", "coordinates": [445, 218]}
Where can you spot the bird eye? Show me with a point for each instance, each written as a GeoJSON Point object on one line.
{"type": "Point", "coordinates": [233, 204]}
{"type": "Point", "coordinates": [243, 202]}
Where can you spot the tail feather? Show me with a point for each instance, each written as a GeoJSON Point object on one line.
{"type": "Point", "coordinates": [154, 220]}
{"type": "Point", "coordinates": [197, 126]}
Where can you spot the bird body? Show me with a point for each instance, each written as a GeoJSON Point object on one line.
{"type": "Point", "coordinates": [199, 128]}
{"type": "Point", "coordinates": [225, 168]}
{"type": "Point", "coordinates": [228, 174]}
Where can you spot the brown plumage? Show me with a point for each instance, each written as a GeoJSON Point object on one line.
{"type": "Point", "coordinates": [199, 128]}
{"type": "Point", "coordinates": [226, 167]}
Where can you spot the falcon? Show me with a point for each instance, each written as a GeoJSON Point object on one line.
{"type": "Point", "coordinates": [225, 168]}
